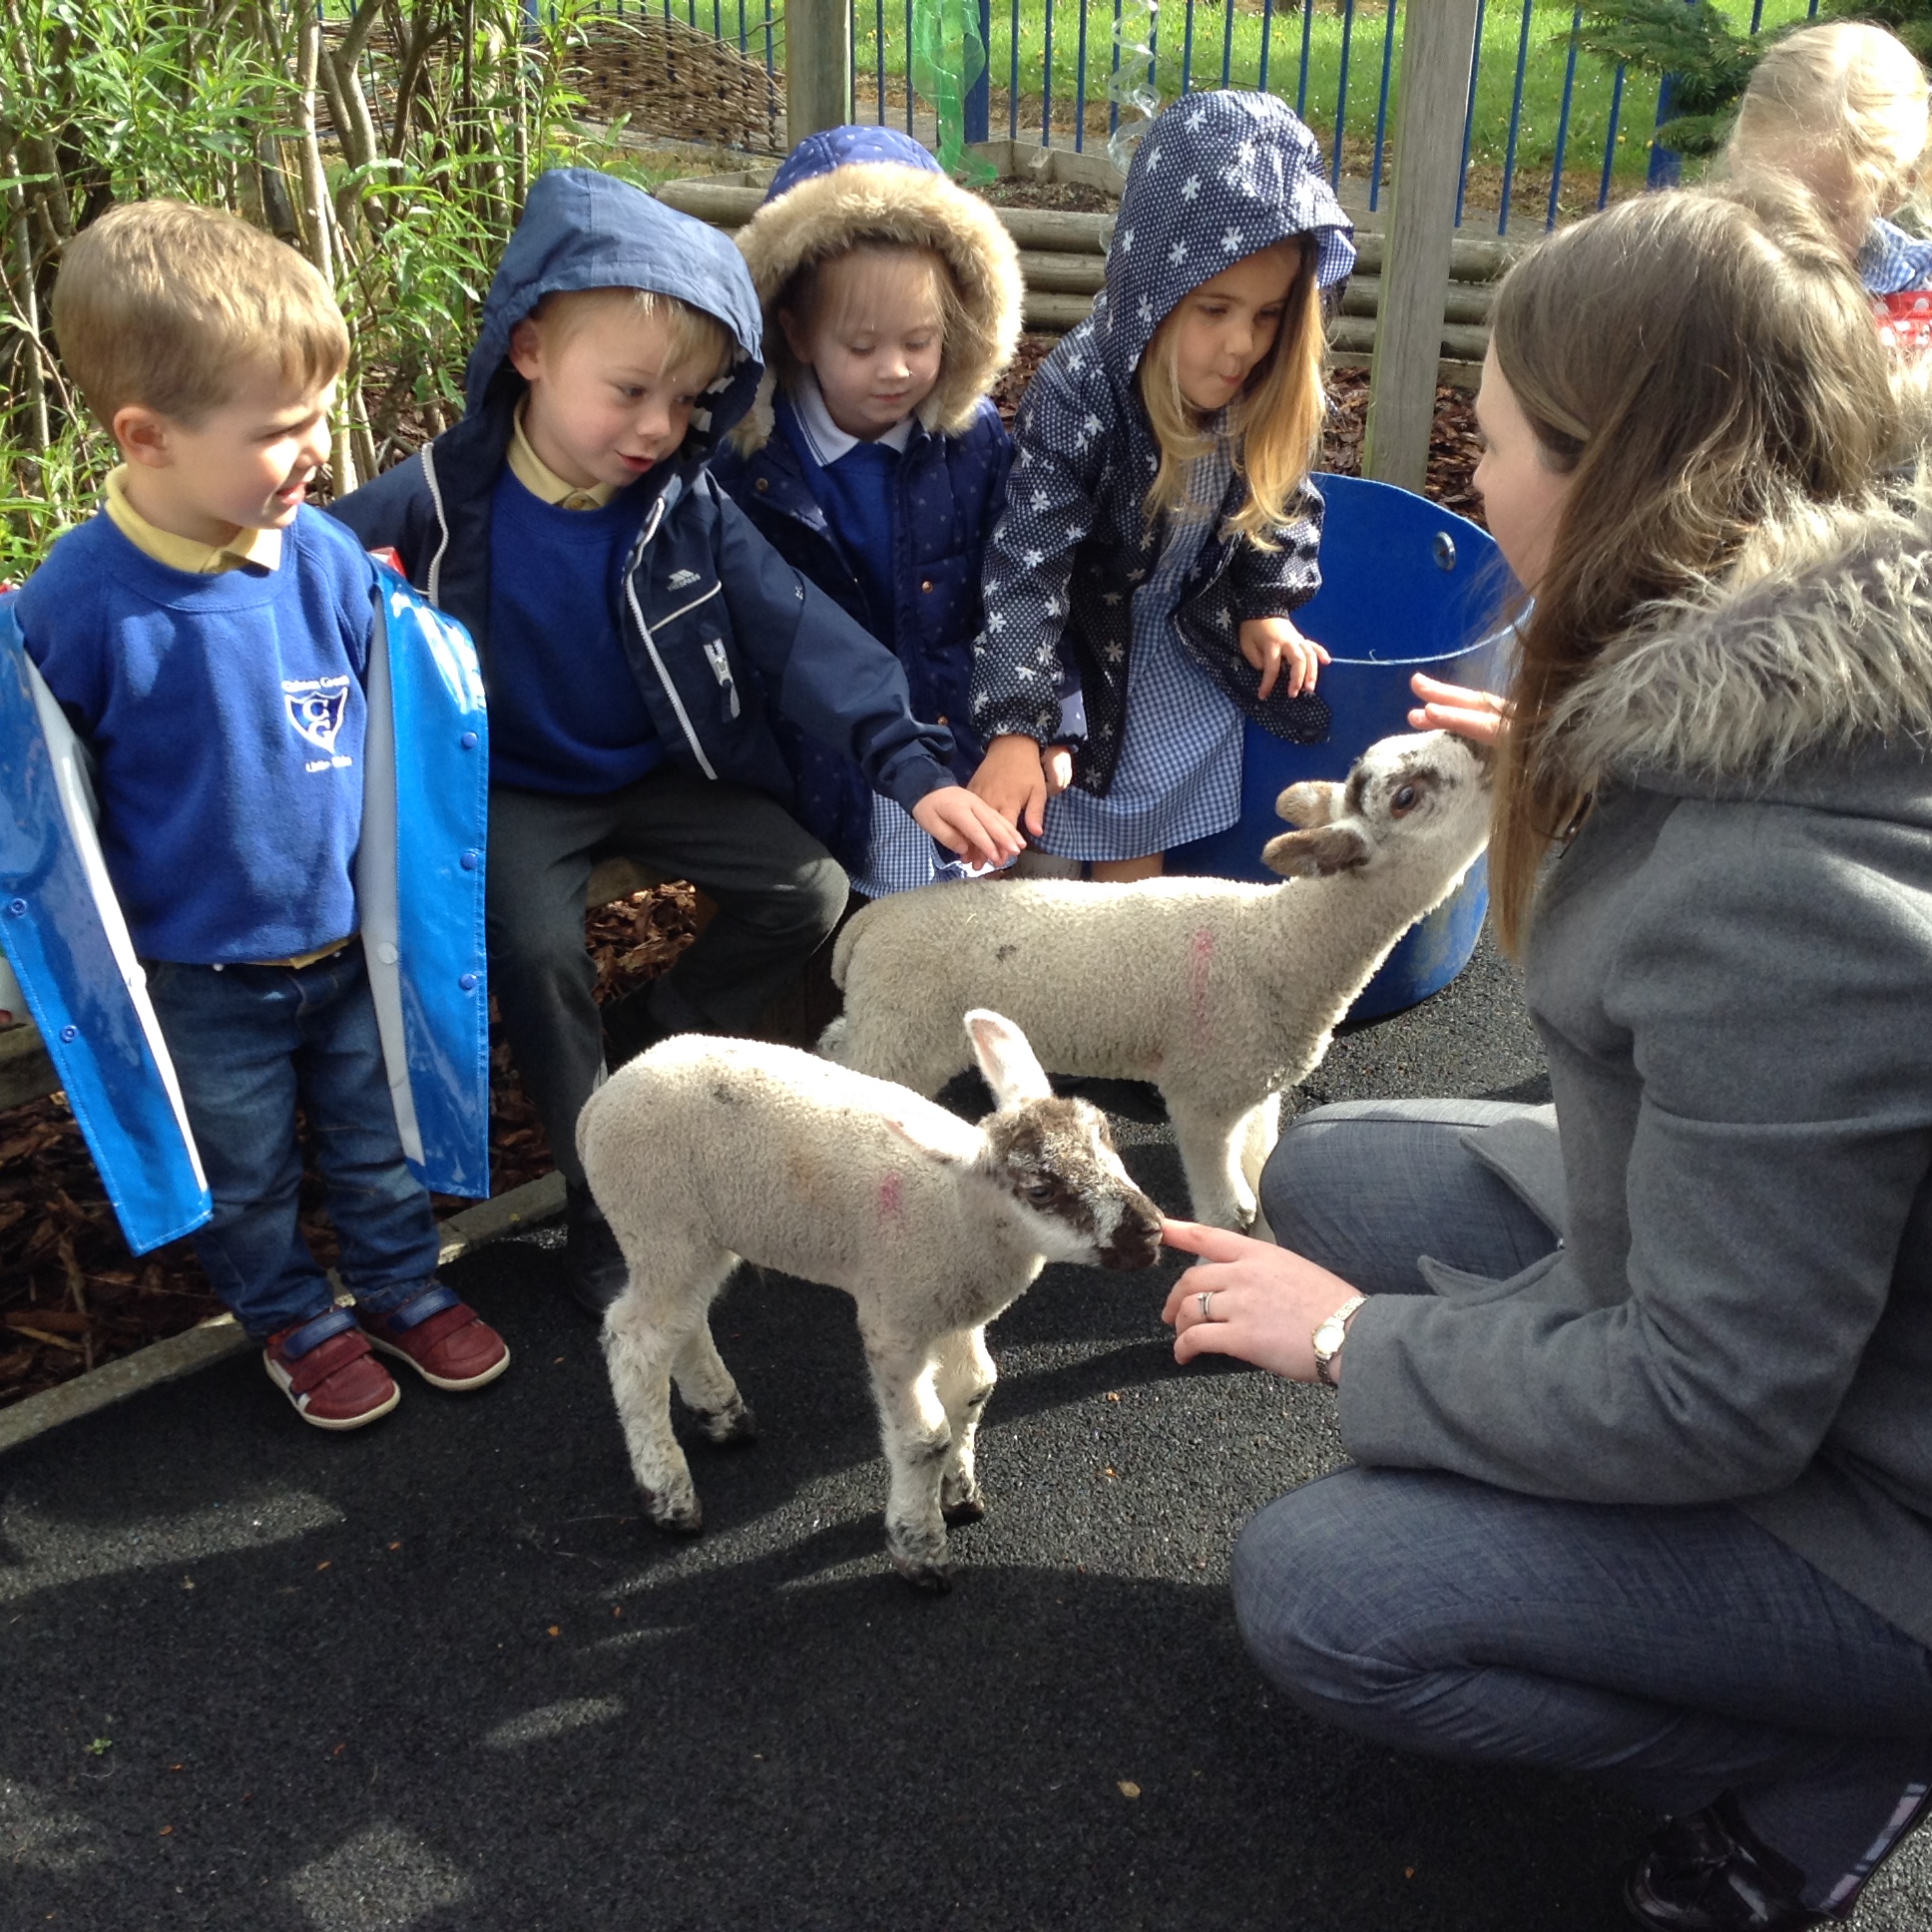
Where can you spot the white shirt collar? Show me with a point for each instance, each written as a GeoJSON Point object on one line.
{"type": "Point", "coordinates": [828, 441]}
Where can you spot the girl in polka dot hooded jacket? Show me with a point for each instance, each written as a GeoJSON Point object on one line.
{"type": "Point", "coordinates": [1159, 527]}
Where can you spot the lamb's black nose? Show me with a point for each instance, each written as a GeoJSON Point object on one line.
{"type": "Point", "coordinates": [1136, 1243]}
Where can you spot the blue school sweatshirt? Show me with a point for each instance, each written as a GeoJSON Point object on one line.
{"type": "Point", "coordinates": [225, 716]}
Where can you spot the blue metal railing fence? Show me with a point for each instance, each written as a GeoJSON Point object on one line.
{"type": "Point", "coordinates": [1544, 126]}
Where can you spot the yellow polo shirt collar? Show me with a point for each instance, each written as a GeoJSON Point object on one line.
{"type": "Point", "coordinates": [257, 549]}
{"type": "Point", "coordinates": [543, 482]}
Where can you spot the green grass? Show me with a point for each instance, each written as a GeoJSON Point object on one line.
{"type": "Point", "coordinates": [1319, 86]}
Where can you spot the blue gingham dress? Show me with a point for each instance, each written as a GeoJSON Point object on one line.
{"type": "Point", "coordinates": [1180, 771]}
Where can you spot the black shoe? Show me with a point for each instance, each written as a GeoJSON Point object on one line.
{"type": "Point", "coordinates": [1708, 1872]}
{"type": "Point", "coordinates": [595, 1270]}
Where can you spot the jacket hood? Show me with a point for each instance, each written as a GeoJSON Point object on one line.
{"type": "Point", "coordinates": [1218, 177]}
{"type": "Point", "coordinates": [1816, 646]}
{"type": "Point", "coordinates": [583, 229]}
{"type": "Point", "coordinates": [858, 184]}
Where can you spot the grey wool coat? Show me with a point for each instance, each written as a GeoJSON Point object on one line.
{"type": "Point", "coordinates": [1730, 969]}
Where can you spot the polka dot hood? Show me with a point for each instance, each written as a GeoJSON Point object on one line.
{"type": "Point", "coordinates": [1218, 177]}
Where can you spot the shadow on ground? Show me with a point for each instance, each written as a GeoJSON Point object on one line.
{"type": "Point", "coordinates": [442, 1674]}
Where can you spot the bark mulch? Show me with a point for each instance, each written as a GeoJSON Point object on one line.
{"type": "Point", "coordinates": [70, 1294]}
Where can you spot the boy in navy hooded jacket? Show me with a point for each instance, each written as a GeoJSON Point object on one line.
{"type": "Point", "coordinates": [639, 639]}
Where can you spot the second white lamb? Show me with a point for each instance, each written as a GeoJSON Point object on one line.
{"type": "Point", "coordinates": [1224, 995]}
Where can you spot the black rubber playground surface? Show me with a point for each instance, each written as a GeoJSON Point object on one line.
{"type": "Point", "coordinates": [441, 1674]}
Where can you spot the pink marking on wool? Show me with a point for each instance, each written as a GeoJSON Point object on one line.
{"type": "Point", "coordinates": [1200, 961]}
{"type": "Point", "coordinates": [891, 1198]}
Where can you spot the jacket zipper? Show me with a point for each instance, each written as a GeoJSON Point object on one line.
{"type": "Point", "coordinates": [722, 670]}
{"type": "Point", "coordinates": [433, 587]}
{"type": "Point", "coordinates": [650, 644]}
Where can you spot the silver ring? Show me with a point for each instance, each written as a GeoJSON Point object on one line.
{"type": "Point", "coordinates": [1203, 1297]}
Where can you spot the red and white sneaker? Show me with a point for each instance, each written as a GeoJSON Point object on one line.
{"type": "Point", "coordinates": [441, 1337]}
{"type": "Point", "coordinates": [324, 1367]}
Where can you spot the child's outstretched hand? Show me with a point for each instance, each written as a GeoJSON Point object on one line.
{"type": "Point", "coordinates": [1012, 778]}
{"type": "Point", "coordinates": [972, 828]}
{"type": "Point", "coordinates": [1275, 647]}
{"type": "Point", "coordinates": [1478, 716]}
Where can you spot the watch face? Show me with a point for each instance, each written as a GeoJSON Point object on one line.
{"type": "Point", "coordinates": [1328, 1336]}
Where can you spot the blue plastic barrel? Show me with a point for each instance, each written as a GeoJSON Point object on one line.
{"type": "Point", "coordinates": [1406, 586]}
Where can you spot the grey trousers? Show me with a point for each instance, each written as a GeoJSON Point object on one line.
{"type": "Point", "coordinates": [778, 894]}
{"type": "Point", "coordinates": [1673, 1653]}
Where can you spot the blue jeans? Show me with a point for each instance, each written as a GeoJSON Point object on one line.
{"type": "Point", "coordinates": [250, 1043]}
{"type": "Point", "coordinates": [1673, 1653]}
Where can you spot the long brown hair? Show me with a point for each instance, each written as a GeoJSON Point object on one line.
{"type": "Point", "coordinates": [1696, 363]}
{"type": "Point", "coordinates": [1274, 423]}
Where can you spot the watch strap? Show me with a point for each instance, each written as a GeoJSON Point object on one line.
{"type": "Point", "coordinates": [1335, 1326]}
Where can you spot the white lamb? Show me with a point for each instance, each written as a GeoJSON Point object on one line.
{"type": "Point", "coordinates": [1223, 994]}
{"type": "Point", "coordinates": [707, 1151]}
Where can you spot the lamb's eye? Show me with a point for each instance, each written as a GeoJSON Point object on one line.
{"type": "Point", "coordinates": [1040, 1193]}
{"type": "Point", "coordinates": [1405, 800]}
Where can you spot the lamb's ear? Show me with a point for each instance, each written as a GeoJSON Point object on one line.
{"type": "Point", "coordinates": [1011, 1067]}
{"type": "Point", "coordinates": [1316, 853]}
{"type": "Point", "coordinates": [1311, 802]}
{"type": "Point", "coordinates": [947, 1157]}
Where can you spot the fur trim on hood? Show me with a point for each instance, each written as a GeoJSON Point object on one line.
{"type": "Point", "coordinates": [888, 200]}
{"type": "Point", "coordinates": [1817, 642]}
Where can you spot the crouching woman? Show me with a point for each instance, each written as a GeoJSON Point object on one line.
{"type": "Point", "coordinates": [1640, 1392]}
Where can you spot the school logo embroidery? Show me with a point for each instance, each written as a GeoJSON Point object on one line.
{"type": "Point", "coordinates": [316, 706]}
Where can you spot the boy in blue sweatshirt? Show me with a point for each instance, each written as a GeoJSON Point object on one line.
{"type": "Point", "coordinates": [209, 636]}
{"type": "Point", "coordinates": [639, 640]}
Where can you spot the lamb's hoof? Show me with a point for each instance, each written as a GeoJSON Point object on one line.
{"type": "Point", "coordinates": [730, 1427]}
{"type": "Point", "coordinates": [932, 1579]}
{"type": "Point", "coordinates": [969, 1508]}
{"type": "Point", "coordinates": [675, 1519]}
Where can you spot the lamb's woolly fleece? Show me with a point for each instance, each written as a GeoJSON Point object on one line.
{"type": "Point", "coordinates": [1817, 642]}
{"type": "Point", "coordinates": [881, 202]}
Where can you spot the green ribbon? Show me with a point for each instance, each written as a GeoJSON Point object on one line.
{"type": "Point", "coordinates": [948, 56]}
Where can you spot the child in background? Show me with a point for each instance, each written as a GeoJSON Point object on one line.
{"type": "Point", "coordinates": [1842, 109]}
{"type": "Point", "coordinates": [892, 302]}
{"type": "Point", "coordinates": [208, 636]}
{"type": "Point", "coordinates": [639, 642]}
{"type": "Point", "coordinates": [1159, 526]}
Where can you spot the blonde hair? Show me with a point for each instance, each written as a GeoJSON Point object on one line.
{"type": "Point", "coordinates": [691, 336]}
{"type": "Point", "coordinates": [1698, 364]}
{"type": "Point", "coordinates": [831, 289]}
{"type": "Point", "coordinates": [166, 305]}
{"type": "Point", "coordinates": [1843, 108]}
{"type": "Point", "coordinates": [1274, 423]}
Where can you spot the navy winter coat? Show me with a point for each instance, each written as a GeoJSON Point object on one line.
{"type": "Point", "coordinates": [835, 189]}
{"type": "Point", "coordinates": [724, 636]}
{"type": "Point", "coordinates": [950, 490]}
{"type": "Point", "coordinates": [1220, 176]}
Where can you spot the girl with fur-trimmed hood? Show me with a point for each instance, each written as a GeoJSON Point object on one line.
{"type": "Point", "coordinates": [874, 463]}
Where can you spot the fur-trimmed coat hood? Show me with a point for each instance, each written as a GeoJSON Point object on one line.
{"type": "Point", "coordinates": [858, 184]}
{"type": "Point", "coordinates": [1813, 650]}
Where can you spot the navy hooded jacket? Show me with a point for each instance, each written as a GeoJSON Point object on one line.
{"type": "Point", "coordinates": [1218, 177]}
{"type": "Point", "coordinates": [722, 634]}
{"type": "Point", "coordinates": [951, 477]}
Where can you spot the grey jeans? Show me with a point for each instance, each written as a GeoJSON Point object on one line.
{"type": "Point", "coordinates": [1673, 1653]}
{"type": "Point", "coordinates": [779, 893]}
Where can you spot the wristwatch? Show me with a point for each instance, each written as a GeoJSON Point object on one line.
{"type": "Point", "coordinates": [1330, 1336]}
